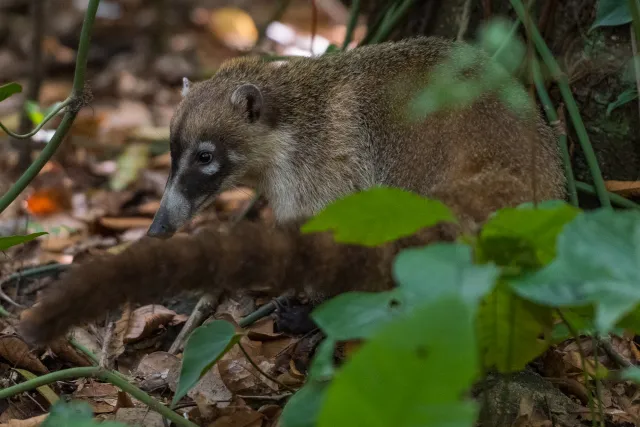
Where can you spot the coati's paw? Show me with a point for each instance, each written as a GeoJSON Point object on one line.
{"type": "Point", "coordinates": [293, 317]}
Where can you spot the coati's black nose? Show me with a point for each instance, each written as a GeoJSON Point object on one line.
{"type": "Point", "coordinates": [160, 227]}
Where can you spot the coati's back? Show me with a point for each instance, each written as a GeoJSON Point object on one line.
{"type": "Point", "coordinates": [332, 125]}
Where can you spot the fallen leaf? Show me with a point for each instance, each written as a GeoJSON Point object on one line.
{"type": "Point", "coordinates": [145, 320]}
{"type": "Point", "coordinates": [66, 352]}
{"type": "Point", "coordinates": [234, 28]}
{"type": "Point", "coordinates": [134, 158]}
{"type": "Point", "coordinates": [16, 352]}
{"type": "Point", "coordinates": [30, 422]}
{"type": "Point", "coordinates": [154, 369]}
{"type": "Point", "coordinates": [48, 201]}
{"type": "Point", "coordinates": [139, 417]}
{"type": "Point", "coordinates": [45, 391]}
{"type": "Point", "coordinates": [624, 188]}
{"type": "Point", "coordinates": [125, 223]}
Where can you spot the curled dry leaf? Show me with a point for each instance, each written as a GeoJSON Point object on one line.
{"type": "Point", "coordinates": [68, 353]}
{"type": "Point", "coordinates": [624, 188]}
{"type": "Point", "coordinates": [145, 320]}
{"type": "Point", "coordinates": [16, 352]}
{"type": "Point", "coordinates": [29, 422]}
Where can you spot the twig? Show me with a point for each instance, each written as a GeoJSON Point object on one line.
{"type": "Point", "coordinates": [464, 20]}
{"type": "Point", "coordinates": [596, 362]}
{"type": "Point", "coordinates": [261, 312]}
{"type": "Point", "coordinates": [613, 354]}
{"type": "Point", "coordinates": [353, 21]}
{"type": "Point", "coordinates": [78, 100]}
{"type": "Point", "coordinates": [572, 107]}
{"type": "Point", "coordinates": [202, 310]}
{"type": "Point", "coordinates": [257, 368]}
{"type": "Point", "coordinates": [103, 375]}
{"type": "Point", "coordinates": [105, 357]}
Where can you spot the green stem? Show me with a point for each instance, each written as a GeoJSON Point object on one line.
{"type": "Point", "coordinates": [260, 313]}
{"type": "Point", "coordinates": [572, 107]}
{"type": "Point", "coordinates": [615, 198]}
{"type": "Point", "coordinates": [103, 375]}
{"type": "Point", "coordinates": [389, 24]}
{"type": "Point", "coordinates": [76, 98]}
{"type": "Point", "coordinates": [257, 368]}
{"type": "Point", "coordinates": [351, 26]}
{"type": "Point", "coordinates": [596, 362]}
{"type": "Point", "coordinates": [44, 121]}
{"type": "Point", "coordinates": [552, 116]}
{"type": "Point", "coordinates": [84, 350]}
{"type": "Point", "coordinates": [634, 7]}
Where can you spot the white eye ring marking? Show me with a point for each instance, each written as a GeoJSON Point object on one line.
{"type": "Point", "coordinates": [211, 168]}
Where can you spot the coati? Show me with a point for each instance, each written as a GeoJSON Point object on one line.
{"type": "Point", "coordinates": [305, 132]}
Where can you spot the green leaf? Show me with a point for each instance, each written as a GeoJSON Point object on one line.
{"type": "Point", "coordinates": [7, 242]}
{"type": "Point", "coordinates": [322, 367]}
{"type": "Point", "coordinates": [75, 414]}
{"type": "Point", "coordinates": [631, 374]}
{"type": "Point", "coordinates": [580, 321]}
{"type": "Point", "coordinates": [36, 115]}
{"type": "Point", "coordinates": [597, 263]}
{"type": "Point", "coordinates": [206, 345]}
{"type": "Point", "coordinates": [6, 90]}
{"type": "Point", "coordinates": [303, 408]}
{"type": "Point", "coordinates": [427, 273]}
{"type": "Point", "coordinates": [415, 372]}
{"type": "Point", "coordinates": [611, 13]}
{"type": "Point", "coordinates": [378, 215]}
{"type": "Point", "coordinates": [524, 236]}
{"type": "Point", "coordinates": [631, 321]}
{"type": "Point", "coordinates": [508, 330]}
{"type": "Point", "coordinates": [357, 315]}
{"type": "Point", "coordinates": [624, 98]}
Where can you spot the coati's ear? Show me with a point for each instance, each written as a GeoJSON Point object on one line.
{"type": "Point", "coordinates": [248, 100]}
{"type": "Point", "coordinates": [185, 86]}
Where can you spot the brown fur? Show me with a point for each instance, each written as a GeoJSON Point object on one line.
{"type": "Point", "coordinates": [328, 126]}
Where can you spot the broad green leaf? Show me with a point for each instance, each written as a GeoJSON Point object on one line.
{"type": "Point", "coordinates": [7, 242]}
{"type": "Point", "coordinates": [303, 408]}
{"type": "Point", "coordinates": [524, 236]}
{"type": "Point", "coordinates": [206, 345]}
{"type": "Point", "coordinates": [579, 320]}
{"type": "Point", "coordinates": [75, 414]}
{"type": "Point", "coordinates": [508, 330]}
{"type": "Point", "coordinates": [132, 160]}
{"type": "Point", "coordinates": [414, 372]}
{"type": "Point", "coordinates": [35, 113]}
{"type": "Point", "coordinates": [611, 13]}
{"type": "Point", "coordinates": [505, 48]}
{"type": "Point", "coordinates": [378, 215]}
{"type": "Point", "coordinates": [427, 273]}
{"type": "Point", "coordinates": [631, 321]}
{"type": "Point", "coordinates": [624, 98]}
{"type": "Point", "coordinates": [597, 261]}
{"type": "Point", "coordinates": [8, 89]}
{"type": "Point", "coordinates": [631, 374]}
{"type": "Point", "coordinates": [357, 315]}
{"type": "Point", "coordinates": [46, 391]}
{"type": "Point", "coordinates": [322, 367]}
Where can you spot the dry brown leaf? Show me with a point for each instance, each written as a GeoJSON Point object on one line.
{"type": "Point", "coordinates": [145, 320]}
{"type": "Point", "coordinates": [234, 28]}
{"type": "Point", "coordinates": [246, 418]}
{"type": "Point", "coordinates": [59, 243]}
{"type": "Point", "coordinates": [16, 352]}
{"type": "Point", "coordinates": [139, 417]}
{"type": "Point", "coordinates": [154, 369]}
{"type": "Point", "coordinates": [240, 376]}
{"type": "Point", "coordinates": [30, 422]}
{"type": "Point", "coordinates": [47, 201]}
{"type": "Point", "coordinates": [120, 328]}
{"type": "Point", "coordinates": [103, 397]}
{"type": "Point", "coordinates": [624, 188]}
{"type": "Point", "coordinates": [122, 224]}
{"type": "Point", "coordinates": [66, 352]}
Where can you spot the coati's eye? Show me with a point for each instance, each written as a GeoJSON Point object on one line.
{"type": "Point", "coordinates": [204, 157]}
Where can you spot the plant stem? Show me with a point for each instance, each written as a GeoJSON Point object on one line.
{"type": "Point", "coordinates": [634, 7]}
{"type": "Point", "coordinates": [103, 375]}
{"type": "Point", "coordinates": [77, 95]}
{"type": "Point", "coordinates": [572, 107]}
{"type": "Point", "coordinates": [615, 198]}
{"type": "Point", "coordinates": [552, 116]}
{"type": "Point", "coordinates": [44, 121]}
{"type": "Point", "coordinates": [260, 313]}
{"type": "Point", "coordinates": [389, 24]}
{"type": "Point", "coordinates": [351, 26]}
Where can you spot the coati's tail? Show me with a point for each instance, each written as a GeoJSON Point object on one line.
{"type": "Point", "coordinates": [250, 257]}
